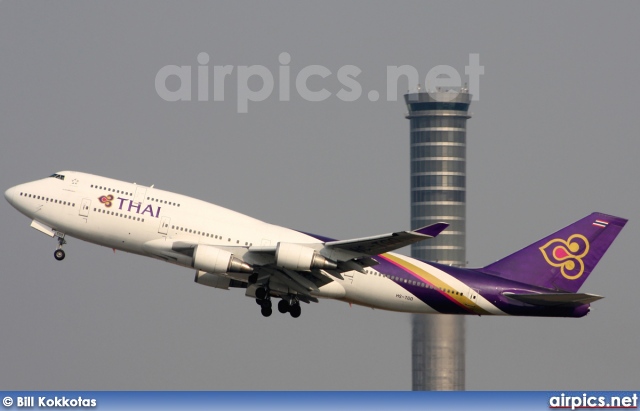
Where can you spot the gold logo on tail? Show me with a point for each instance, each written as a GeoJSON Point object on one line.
{"type": "Point", "coordinates": [567, 255]}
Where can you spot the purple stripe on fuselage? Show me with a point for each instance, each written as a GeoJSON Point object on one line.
{"type": "Point", "coordinates": [492, 288]}
{"type": "Point", "coordinates": [436, 299]}
{"type": "Point", "coordinates": [487, 285]}
{"type": "Point", "coordinates": [433, 297]}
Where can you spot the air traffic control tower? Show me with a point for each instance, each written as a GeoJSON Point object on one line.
{"type": "Point", "coordinates": [438, 181]}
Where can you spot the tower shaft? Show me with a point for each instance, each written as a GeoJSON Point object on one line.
{"type": "Point", "coordinates": [438, 193]}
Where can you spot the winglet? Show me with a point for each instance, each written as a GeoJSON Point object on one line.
{"type": "Point", "coordinates": [432, 230]}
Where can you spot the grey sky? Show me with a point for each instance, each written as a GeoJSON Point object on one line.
{"type": "Point", "coordinates": [553, 137]}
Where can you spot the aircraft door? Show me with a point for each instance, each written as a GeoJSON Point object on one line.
{"type": "Point", "coordinates": [348, 276]}
{"type": "Point", "coordinates": [164, 225]}
{"type": "Point", "coordinates": [139, 195]}
{"type": "Point", "coordinates": [84, 207]}
{"type": "Point", "coordinates": [472, 296]}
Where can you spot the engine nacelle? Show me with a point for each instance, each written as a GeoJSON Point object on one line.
{"type": "Point", "coordinates": [215, 260]}
{"type": "Point", "coordinates": [300, 258]}
{"type": "Point", "coordinates": [212, 280]}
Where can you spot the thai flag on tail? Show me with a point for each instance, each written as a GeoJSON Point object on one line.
{"type": "Point", "coordinates": [600, 223]}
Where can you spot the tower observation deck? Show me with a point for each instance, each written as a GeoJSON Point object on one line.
{"type": "Point", "coordinates": [438, 128]}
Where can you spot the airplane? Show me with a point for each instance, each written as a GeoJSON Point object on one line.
{"type": "Point", "coordinates": [231, 250]}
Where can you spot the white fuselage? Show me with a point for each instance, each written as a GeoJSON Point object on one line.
{"type": "Point", "coordinates": [131, 217]}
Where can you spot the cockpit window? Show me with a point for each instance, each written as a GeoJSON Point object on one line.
{"type": "Point", "coordinates": [58, 176]}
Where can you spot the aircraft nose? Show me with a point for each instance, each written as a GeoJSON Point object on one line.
{"type": "Point", "coordinates": [10, 195]}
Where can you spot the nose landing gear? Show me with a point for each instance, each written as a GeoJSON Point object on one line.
{"type": "Point", "coordinates": [59, 253]}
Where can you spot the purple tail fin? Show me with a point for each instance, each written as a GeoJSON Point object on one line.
{"type": "Point", "coordinates": [563, 260]}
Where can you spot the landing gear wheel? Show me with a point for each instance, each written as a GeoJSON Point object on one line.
{"type": "Point", "coordinates": [295, 310]}
{"type": "Point", "coordinates": [283, 306]}
{"type": "Point", "coordinates": [266, 311]}
{"type": "Point", "coordinates": [266, 304]}
{"type": "Point", "coordinates": [59, 255]}
{"type": "Point", "coordinates": [261, 293]}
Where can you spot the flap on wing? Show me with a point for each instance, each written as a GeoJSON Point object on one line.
{"type": "Point", "coordinates": [292, 280]}
{"type": "Point", "coordinates": [554, 298]}
{"type": "Point", "coordinates": [180, 249]}
{"type": "Point", "coordinates": [383, 243]}
{"type": "Point", "coordinates": [269, 249]}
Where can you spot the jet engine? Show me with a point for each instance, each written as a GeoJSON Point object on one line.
{"type": "Point", "coordinates": [300, 258]}
{"type": "Point", "coordinates": [212, 280]}
{"type": "Point", "coordinates": [215, 260]}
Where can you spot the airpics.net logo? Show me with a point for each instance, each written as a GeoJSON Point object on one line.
{"type": "Point", "coordinates": [257, 83]}
{"type": "Point", "coordinates": [589, 401]}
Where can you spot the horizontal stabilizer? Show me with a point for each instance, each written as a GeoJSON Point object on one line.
{"type": "Point", "coordinates": [555, 299]}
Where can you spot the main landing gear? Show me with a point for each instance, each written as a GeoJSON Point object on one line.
{"type": "Point", "coordinates": [263, 299]}
{"type": "Point", "coordinates": [288, 304]}
{"type": "Point", "coordinates": [291, 306]}
{"type": "Point", "coordinates": [59, 253]}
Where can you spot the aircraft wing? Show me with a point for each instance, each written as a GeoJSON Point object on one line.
{"type": "Point", "coordinates": [350, 255]}
{"type": "Point", "coordinates": [551, 299]}
{"type": "Point", "coordinates": [379, 244]}
{"type": "Point", "coordinates": [182, 251]}
{"type": "Point", "coordinates": [341, 250]}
